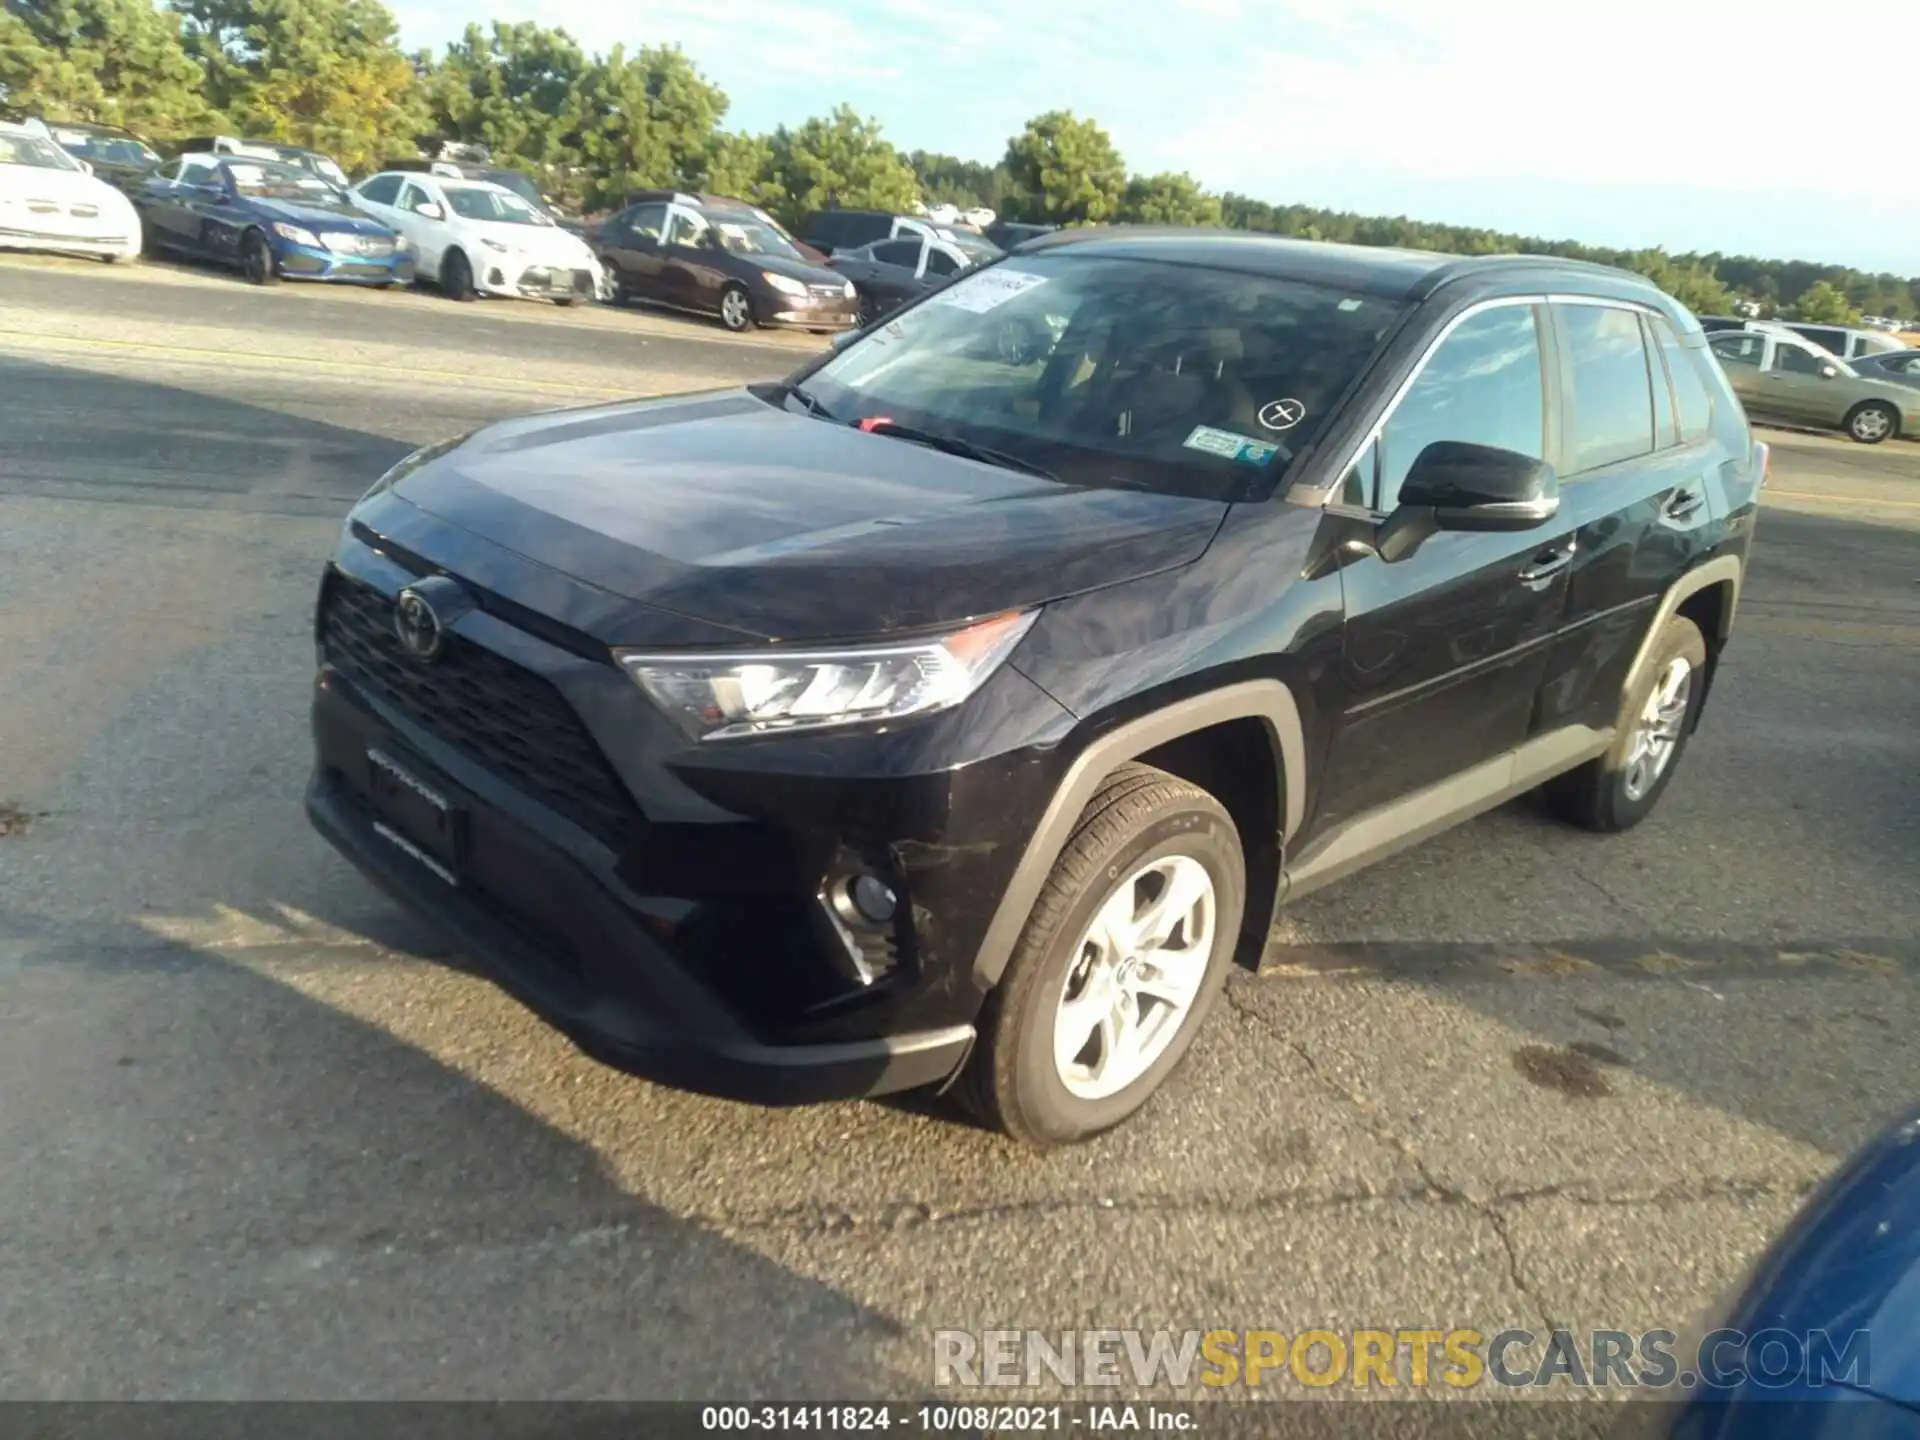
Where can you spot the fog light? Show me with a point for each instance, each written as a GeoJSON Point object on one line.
{"type": "Point", "coordinates": [873, 898]}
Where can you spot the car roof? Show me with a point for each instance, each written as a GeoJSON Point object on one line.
{"type": "Point", "coordinates": [1377, 269]}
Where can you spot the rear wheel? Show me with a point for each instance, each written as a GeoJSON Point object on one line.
{"type": "Point", "coordinates": [1872, 422]}
{"type": "Point", "coordinates": [1620, 789]}
{"type": "Point", "coordinates": [563, 302]}
{"type": "Point", "coordinates": [456, 276]}
{"type": "Point", "coordinates": [1124, 955]}
{"type": "Point", "coordinates": [736, 309]}
{"type": "Point", "coordinates": [256, 259]}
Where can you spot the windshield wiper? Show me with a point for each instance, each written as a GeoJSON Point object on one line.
{"type": "Point", "coordinates": [814, 407]}
{"type": "Point", "coordinates": [954, 445]}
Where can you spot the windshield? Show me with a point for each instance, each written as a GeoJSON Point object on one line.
{"type": "Point", "coordinates": [277, 180]}
{"type": "Point", "coordinates": [744, 235]}
{"type": "Point", "coordinates": [1109, 371]}
{"type": "Point", "coordinates": [976, 248]}
{"type": "Point", "coordinates": [519, 184]}
{"type": "Point", "coordinates": [106, 149]}
{"type": "Point", "coordinates": [35, 153]}
{"type": "Point", "coordinates": [325, 169]}
{"type": "Point", "coordinates": [471, 203]}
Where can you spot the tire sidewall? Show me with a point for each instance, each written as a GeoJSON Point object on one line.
{"type": "Point", "coordinates": [456, 275]}
{"type": "Point", "coordinates": [257, 244]}
{"type": "Point", "coordinates": [1680, 638]}
{"type": "Point", "coordinates": [1203, 834]}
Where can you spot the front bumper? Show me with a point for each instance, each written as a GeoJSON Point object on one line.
{"type": "Point", "coordinates": [13, 238]}
{"type": "Point", "coordinates": [522, 280]}
{"type": "Point", "coordinates": [668, 906]}
{"type": "Point", "coordinates": [624, 1001]}
{"type": "Point", "coordinates": [793, 312]}
{"type": "Point", "coordinates": [302, 262]}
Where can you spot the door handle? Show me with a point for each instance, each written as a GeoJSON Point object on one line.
{"type": "Point", "coordinates": [1682, 505]}
{"type": "Point", "coordinates": [1548, 563]}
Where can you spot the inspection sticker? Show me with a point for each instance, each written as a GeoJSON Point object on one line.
{"type": "Point", "coordinates": [989, 290]}
{"type": "Point", "coordinates": [1229, 446]}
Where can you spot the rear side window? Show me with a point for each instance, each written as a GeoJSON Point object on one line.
{"type": "Point", "coordinates": [644, 221]}
{"type": "Point", "coordinates": [1610, 410]}
{"type": "Point", "coordinates": [1825, 337]}
{"type": "Point", "coordinates": [1482, 385]}
{"type": "Point", "coordinates": [904, 253]}
{"type": "Point", "coordinates": [1741, 348]}
{"type": "Point", "coordinates": [1693, 407]}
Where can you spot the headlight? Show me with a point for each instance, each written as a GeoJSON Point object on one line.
{"type": "Point", "coordinates": [846, 289]}
{"type": "Point", "coordinates": [715, 697]}
{"type": "Point", "coordinates": [493, 244]}
{"type": "Point", "coordinates": [785, 284]}
{"type": "Point", "coordinates": [296, 234]}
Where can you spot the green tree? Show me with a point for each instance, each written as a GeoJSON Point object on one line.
{"type": "Point", "coordinates": [1168, 200]}
{"type": "Point", "coordinates": [328, 74]}
{"type": "Point", "coordinates": [839, 159]}
{"type": "Point", "coordinates": [118, 62]}
{"type": "Point", "coordinates": [948, 180]}
{"type": "Point", "coordinates": [511, 89]}
{"type": "Point", "coordinates": [1065, 171]}
{"type": "Point", "coordinates": [644, 120]}
{"type": "Point", "coordinates": [1822, 304]}
{"type": "Point", "coordinates": [742, 165]}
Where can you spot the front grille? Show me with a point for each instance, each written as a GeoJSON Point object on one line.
{"type": "Point", "coordinates": [373, 246]}
{"type": "Point", "coordinates": [500, 715]}
{"type": "Point", "coordinates": [827, 292]}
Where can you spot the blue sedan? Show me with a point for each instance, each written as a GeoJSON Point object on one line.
{"type": "Point", "coordinates": [270, 219]}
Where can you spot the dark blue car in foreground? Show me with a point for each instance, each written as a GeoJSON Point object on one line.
{"type": "Point", "coordinates": [270, 219]}
{"type": "Point", "coordinates": [1822, 1341]}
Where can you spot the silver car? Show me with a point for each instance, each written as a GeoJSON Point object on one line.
{"type": "Point", "coordinates": [1902, 367]}
{"type": "Point", "coordinates": [1782, 377]}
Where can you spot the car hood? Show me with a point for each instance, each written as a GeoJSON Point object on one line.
{"type": "Point", "coordinates": [801, 270]}
{"type": "Point", "coordinates": [548, 243]}
{"type": "Point", "coordinates": [727, 509]}
{"type": "Point", "coordinates": [320, 216]}
{"type": "Point", "coordinates": [35, 182]}
{"type": "Point", "coordinates": [1850, 1261]}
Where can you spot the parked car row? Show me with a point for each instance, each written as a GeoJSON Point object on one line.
{"type": "Point", "coordinates": [51, 201]}
{"type": "Point", "coordinates": [1780, 376]}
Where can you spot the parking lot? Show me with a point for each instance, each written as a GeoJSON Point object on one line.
{"type": "Point", "coordinates": [268, 1139]}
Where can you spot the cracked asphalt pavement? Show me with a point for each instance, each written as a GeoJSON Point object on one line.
{"type": "Point", "coordinates": [266, 1138]}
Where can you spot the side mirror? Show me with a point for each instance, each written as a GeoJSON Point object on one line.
{"type": "Point", "coordinates": [1828, 372]}
{"type": "Point", "coordinates": [428, 209]}
{"type": "Point", "coordinates": [1454, 485]}
{"type": "Point", "coordinates": [85, 165]}
{"type": "Point", "coordinates": [843, 338]}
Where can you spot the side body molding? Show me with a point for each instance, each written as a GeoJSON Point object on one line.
{"type": "Point", "coordinates": [1269, 701]}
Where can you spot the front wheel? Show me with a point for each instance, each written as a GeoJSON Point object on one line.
{"type": "Point", "coordinates": [456, 277]}
{"type": "Point", "coordinates": [563, 303]}
{"type": "Point", "coordinates": [1620, 789]}
{"type": "Point", "coordinates": [1124, 954]}
{"type": "Point", "coordinates": [736, 310]}
{"type": "Point", "coordinates": [256, 259]}
{"type": "Point", "coordinates": [1872, 422]}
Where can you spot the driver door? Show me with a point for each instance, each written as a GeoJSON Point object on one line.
{"type": "Point", "coordinates": [426, 234]}
{"type": "Point", "coordinates": [1797, 385]}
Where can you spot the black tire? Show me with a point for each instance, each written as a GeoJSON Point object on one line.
{"type": "Point", "coordinates": [1876, 417]}
{"type": "Point", "coordinates": [456, 277]}
{"type": "Point", "coordinates": [1140, 814]}
{"type": "Point", "coordinates": [869, 309]}
{"type": "Point", "coordinates": [1600, 795]}
{"type": "Point", "coordinates": [736, 309]}
{"type": "Point", "coordinates": [563, 302]}
{"type": "Point", "coordinates": [256, 260]}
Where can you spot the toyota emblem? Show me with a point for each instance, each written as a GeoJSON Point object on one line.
{"type": "Point", "coordinates": [416, 624]}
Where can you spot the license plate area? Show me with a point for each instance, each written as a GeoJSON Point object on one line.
{"type": "Point", "coordinates": [415, 818]}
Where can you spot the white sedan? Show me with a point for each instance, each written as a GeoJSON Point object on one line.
{"type": "Point", "coordinates": [472, 237]}
{"type": "Point", "coordinates": [50, 201]}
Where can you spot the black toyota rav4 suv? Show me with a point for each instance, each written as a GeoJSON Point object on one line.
{"type": "Point", "coordinates": [938, 717]}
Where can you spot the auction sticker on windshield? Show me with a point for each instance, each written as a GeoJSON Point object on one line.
{"type": "Point", "coordinates": [1229, 446]}
{"type": "Point", "coordinates": [989, 289]}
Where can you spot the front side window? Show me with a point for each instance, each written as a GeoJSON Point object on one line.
{"type": "Point", "coordinates": [685, 229]}
{"type": "Point", "coordinates": [1693, 406]}
{"type": "Point", "coordinates": [1610, 412]}
{"type": "Point", "coordinates": [198, 172]}
{"type": "Point", "coordinates": [1741, 348]}
{"type": "Point", "coordinates": [645, 221]}
{"type": "Point", "coordinates": [413, 197]}
{"type": "Point", "coordinates": [904, 253]}
{"type": "Point", "coordinates": [1130, 373]}
{"type": "Point", "coordinates": [1792, 360]}
{"type": "Point", "coordinates": [1484, 385]}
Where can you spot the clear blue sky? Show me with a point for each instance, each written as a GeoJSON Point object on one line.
{"type": "Point", "coordinates": [1623, 124]}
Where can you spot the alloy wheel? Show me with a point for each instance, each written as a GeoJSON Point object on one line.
{"type": "Point", "coordinates": [735, 312]}
{"type": "Point", "coordinates": [1657, 735]}
{"type": "Point", "coordinates": [1139, 967]}
{"type": "Point", "coordinates": [1871, 424]}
